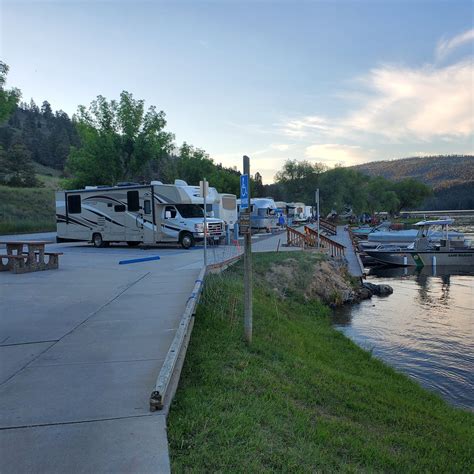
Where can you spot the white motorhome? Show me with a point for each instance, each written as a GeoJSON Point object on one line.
{"type": "Point", "coordinates": [135, 214]}
{"type": "Point", "coordinates": [263, 215]}
{"type": "Point", "coordinates": [221, 206]}
{"type": "Point", "coordinates": [226, 209]}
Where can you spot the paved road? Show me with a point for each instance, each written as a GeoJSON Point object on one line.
{"type": "Point", "coordinates": [80, 350]}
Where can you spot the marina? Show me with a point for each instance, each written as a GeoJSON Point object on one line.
{"type": "Point", "coordinates": [424, 329]}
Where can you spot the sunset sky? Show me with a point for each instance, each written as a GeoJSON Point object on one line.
{"type": "Point", "coordinates": [334, 82]}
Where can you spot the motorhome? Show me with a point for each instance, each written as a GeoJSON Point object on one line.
{"type": "Point", "coordinates": [263, 213]}
{"type": "Point", "coordinates": [150, 214]}
{"type": "Point", "coordinates": [226, 209]}
{"type": "Point", "coordinates": [221, 206]}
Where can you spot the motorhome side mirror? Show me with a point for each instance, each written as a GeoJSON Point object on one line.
{"type": "Point", "coordinates": [168, 215]}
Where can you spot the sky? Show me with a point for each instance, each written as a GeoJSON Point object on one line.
{"type": "Point", "coordinates": [336, 82]}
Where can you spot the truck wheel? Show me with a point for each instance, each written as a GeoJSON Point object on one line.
{"type": "Point", "coordinates": [133, 243]}
{"type": "Point", "coordinates": [98, 242]}
{"type": "Point", "coordinates": [186, 240]}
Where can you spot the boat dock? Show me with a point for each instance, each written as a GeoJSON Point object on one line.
{"type": "Point", "coordinates": [336, 239]}
{"type": "Point", "coordinates": [354, 263]}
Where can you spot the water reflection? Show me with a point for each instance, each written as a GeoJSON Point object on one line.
{"type": "Point", "coordinates": [424, 329]}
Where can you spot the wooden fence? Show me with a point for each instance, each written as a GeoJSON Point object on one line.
{"type": "Point", "coordinates": [327, 226]}
{"type": "Point", "coordinates": [335, 248]}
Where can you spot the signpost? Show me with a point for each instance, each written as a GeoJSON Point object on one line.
{"type": "Point", "coordinates": [204, 189]}
{"type": "Point", "coordinates": [246, 229]}
{"type": "Point", "coordinates": [317, 211]}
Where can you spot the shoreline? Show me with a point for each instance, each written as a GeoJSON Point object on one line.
{"type": "Point", "coordinates": [303, 395]}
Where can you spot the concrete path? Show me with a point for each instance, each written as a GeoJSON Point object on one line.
{"type": "Point", "coordinates": [354, 265]}
{"type": "Point", "coordinates": [80, 350]}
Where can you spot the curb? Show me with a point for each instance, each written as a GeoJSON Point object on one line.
{"type": "Point", "coordinates": [164, 389]}
{"type": "Point", "coordinates": [168, 378]}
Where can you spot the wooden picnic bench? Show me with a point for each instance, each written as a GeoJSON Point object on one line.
{"type": "Point", "coordinates": [18, 261]}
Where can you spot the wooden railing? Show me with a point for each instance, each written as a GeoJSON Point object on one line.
{"type": "Point", "coordinates": [295, 238]}
{"type": "Point", "coordinates": [329, 227]}
{"type": "Point", "coordinates": [335, 248]}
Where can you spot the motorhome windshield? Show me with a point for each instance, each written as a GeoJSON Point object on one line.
{"type": "Point", "coordinates": [190, 210]}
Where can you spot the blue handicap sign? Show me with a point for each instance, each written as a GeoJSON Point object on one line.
{"type": "Point", "coordinates": [244, 191]}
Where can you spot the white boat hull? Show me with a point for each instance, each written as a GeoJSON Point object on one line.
{"type": "Point", "coordinates": [423, 258]}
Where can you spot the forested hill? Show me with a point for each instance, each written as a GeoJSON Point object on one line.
{"type": "Point", "coordinates": [436, 171]}
{"type": "Point", "coordinates": [46, 135]}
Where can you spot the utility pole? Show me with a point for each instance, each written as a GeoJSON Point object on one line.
{"type": "Point", "coordinates": [204, 190]}
{"type": "Point", "coordinates": [317, 210]}
{"type": "Point", "coordinates": [246, 229]}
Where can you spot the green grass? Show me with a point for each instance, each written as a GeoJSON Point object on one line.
{"type": "Point", "coordinates": [303, 397]}
{"type": "Point", "coordinates": [25, 210]}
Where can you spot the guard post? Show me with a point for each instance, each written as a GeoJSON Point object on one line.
{"type": "Point", "coordinates": [246, 231]}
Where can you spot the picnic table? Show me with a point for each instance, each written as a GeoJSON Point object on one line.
{"type": "Point", "coordinates": [31, 260]}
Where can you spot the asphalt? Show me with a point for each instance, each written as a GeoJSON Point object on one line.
{"type": "Point", "coordinates": [80, 350]}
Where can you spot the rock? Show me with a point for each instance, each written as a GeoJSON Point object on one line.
{"type": "Point", "coordinates": [379, 290]}
{"type": "Point", "coordinates": [364, 293]}
{"type": "Point", "coordinates": [385, 290]}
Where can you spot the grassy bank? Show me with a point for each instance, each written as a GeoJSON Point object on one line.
{"type": "Point", "coordinates": [26, 210]}
{"type": "Point", "coordinates": [303, 397]}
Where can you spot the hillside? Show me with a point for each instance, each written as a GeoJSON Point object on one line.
{"type": "Point", "coordinates": [435, 171]}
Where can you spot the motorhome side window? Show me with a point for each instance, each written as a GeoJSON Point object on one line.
{"type": "Point", "coordinates": [74, 204]}
{"type": "Point", "coordinates": [147, 206]}
{"type": "Point", "coordinates": [119, 208]}
{"type": "Point", "coordinates": [170, 212]}
{"type": "Point", "coordinates": [133, 201]}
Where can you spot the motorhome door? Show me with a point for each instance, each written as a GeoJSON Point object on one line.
{"type": "Point", "coordinates": [169, 227]}
{"type": "Point", "coordinates": [134, 227]}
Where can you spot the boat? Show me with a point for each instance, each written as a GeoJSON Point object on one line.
{"type": "Point", "coordinates": [425, 250]}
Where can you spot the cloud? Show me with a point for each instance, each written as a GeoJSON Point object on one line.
{"type": "Point", "coordinates": [418, 104]}
{"type": "Point", "coordinates": [304, 126]}
{"type": "Point", "coordinates": [280, 146]}
{"type": "Point", "coordinates": [399, 104]}
{"type": "Point", "coordinates": [446, 46]}
{"type": "Point", "coordinates": [336, 153]}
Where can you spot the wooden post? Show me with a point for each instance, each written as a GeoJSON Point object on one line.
{"type": "Point", "coordinates": [248, 309]}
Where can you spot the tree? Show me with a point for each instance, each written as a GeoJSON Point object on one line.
{"type": "Point", "coordinates": [411, 193]}
{"type": "Point", "coordinates": [8, 98]}
{"type": "Point", "coordinates": [16, 167]}
{"type": "Point", "coordinates": [259, 190]}
{"type": "Point", "coordinates": [299, 179]}
{"type": "Point", "coordinates": [118, 140]}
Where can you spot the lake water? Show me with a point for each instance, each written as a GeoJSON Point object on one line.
{"type": "Point", "coordinates": [424, 329]}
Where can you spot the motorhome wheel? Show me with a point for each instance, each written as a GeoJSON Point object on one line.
{"type": "Point", "coordinates": [186, 240]}
{"type": "Point", "coordinates": [98, 242]}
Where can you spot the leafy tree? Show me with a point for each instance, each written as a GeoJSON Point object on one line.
{"type": "Point", "coordinates": [118, 139]}
{"type": "Point", "coordinates": [411, 193]}
{"type": "Point", "coordinates": [8, 98]}
{"type": "Point", "coordinates": [380, 196]}
{"type": "Point", "coordinates": [299, 179]}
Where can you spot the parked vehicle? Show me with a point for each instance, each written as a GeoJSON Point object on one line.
{"type": "Point", "coordinates": [135, 214]}
{"type": "Point", "coordinates": [263, 213]}
{"type": "Point", "coordinates": [226, 209]}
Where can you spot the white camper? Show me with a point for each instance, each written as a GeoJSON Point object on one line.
{"type": "Point", "coordinates": [135, 214]}
{"type": "Point", "coordinates": [226, 209]}
{"type": "Point", "coordinates": [300, 214]}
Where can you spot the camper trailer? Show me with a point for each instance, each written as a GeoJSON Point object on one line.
{"type": "Point", "coordinates": [302, 214]}
{"type": "Point", "coordinates": [150, 214]}
{"type": "Point", "coordinates": [226, 209]}
{"type": "Point", "coordinates": [263, 215]}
